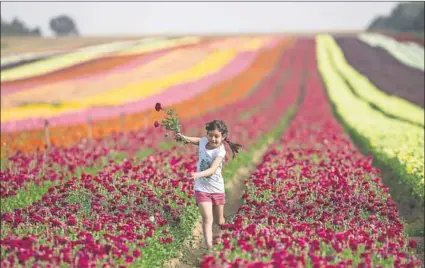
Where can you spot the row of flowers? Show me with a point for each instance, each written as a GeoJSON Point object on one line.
{"type": "Point", "coordinates": [124, 91]}
{"type": "Point", "coordinates": [410, 54]}
{"type": "Point", "coordinates": [396, 143]}
{"type": "Point", "coordinates": [314, 201]}
{"type": "Point", "coordinates": [178, 66]}
{"type": "Point", "coordinates": [408, 38]}
{"type": "Point", "coordinates": [106, 65]}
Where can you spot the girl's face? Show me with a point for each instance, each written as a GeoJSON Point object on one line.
{"type": "Point", "coordinates": [215, 138]}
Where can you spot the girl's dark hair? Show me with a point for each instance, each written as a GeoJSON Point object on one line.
{"type": "Point", "coordinates": [221, 126]}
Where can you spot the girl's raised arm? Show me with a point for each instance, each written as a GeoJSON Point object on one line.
{"type": "Point", "coordinates": [193, 140]}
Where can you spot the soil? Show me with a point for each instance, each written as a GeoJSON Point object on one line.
{"type": "Point", "coordinates": [420, 248]}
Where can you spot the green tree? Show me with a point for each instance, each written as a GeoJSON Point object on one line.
{"type": "Point", "coordinates": [63, 25]}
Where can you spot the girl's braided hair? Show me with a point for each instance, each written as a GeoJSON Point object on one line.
{"type": "Point", "coordinates": [221, 126]}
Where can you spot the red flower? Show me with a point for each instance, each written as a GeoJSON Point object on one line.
{"type": "Point", "coordinates": [129, 259]}
{"type": "Point", "coordinates": [136, 253]}
{"type": "Point", "coordinates": [413, 244]}
{"type": "Point", "coordinates": [72, 221]}
{"type": "Point", "coordinates": [158, 107]}
{"type": "Point", "coordinates": [156, 124]}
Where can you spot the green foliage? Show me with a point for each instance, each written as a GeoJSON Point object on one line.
{"type": "Point", "coordinates": [17, 28]}
{"type": "Point", "coordinates": [63, 25]}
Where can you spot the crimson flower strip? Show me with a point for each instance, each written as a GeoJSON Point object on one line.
{"type": "Point", "coordinates": [59, 163]}
{"type": "Point", "coordinates": [314, 201]}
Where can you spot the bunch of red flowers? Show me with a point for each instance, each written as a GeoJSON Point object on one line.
{"type": "Point", "coordinates": [170, 122]}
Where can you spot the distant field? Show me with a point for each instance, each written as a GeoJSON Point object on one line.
{"type": "Point", "coordinates": [14, 45]}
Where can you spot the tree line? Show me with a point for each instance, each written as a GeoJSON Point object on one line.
{"type": "Point", "coordinates": [405, 17]}
{"type": "Point", "coordinates": [62, 25]}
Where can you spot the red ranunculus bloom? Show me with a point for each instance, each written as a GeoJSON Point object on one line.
{"type": "Point", "coordinates": [158, 107]}
{"type": "Point", "coordinates": [413, 244]}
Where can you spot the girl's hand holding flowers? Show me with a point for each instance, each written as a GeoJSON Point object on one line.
{"type": "Point", "coordinates": [170, 122]}
{"type": "Point", "coordinates": [194, 175]}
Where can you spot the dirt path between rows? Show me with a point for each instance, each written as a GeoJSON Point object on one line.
{"type": "Point", "coordinates": [193, 248]}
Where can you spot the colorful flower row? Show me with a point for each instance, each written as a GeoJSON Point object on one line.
{"type": "Point", "coordinates": [17, 60]}
{"type": "Point", "coordinates": [314, 201]}
{"type": "Point", "coordinates": [153, 78]}
{"type": "Point", "coordinates": [105, 65]}
{"type": "Point", "coordinates": [396, 143]}
{"type": "Point", "coordinates": [408, 38]}
{"type": "Point", "coordinates": [227, 92]}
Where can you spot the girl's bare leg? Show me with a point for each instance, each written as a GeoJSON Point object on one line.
{"type": "Point", "coordinates": [207, 222]}
{"type": "Point", "coordinates": [218, 214]}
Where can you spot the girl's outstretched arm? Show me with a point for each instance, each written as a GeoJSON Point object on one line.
{"type": "Point", "coordinates": [193, 140]}
{"type": "Point", "coordinates": [208, 172]}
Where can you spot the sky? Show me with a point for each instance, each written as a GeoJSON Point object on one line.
{"type": "Point", "coordinates": [143, 18]}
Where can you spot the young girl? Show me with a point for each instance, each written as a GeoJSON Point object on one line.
{"type": "Point", "coordinates": [209, 184]}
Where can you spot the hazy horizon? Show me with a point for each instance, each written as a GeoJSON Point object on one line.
{"type": "Point", "coordinates": [139, 18]}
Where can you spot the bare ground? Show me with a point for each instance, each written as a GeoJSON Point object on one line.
{"type": "Point", "coordinates": [420, 254]}
{"type": "Point", "coordinates": [193, 250]}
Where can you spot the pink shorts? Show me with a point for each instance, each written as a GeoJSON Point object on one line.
{"type": "Point", "coordinates": [215, 199]}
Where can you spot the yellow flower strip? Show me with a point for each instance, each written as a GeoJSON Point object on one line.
{"type": "Point", "coordinates": [398, 144]}
{"type": "Point", "coordinates": [390, 104]}
{"type": "Point", "coordinates": [163, 44]}
{"type": "Point", "coordinates": [130, 92]}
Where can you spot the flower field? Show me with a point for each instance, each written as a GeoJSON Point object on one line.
{"type": "Point", "coordinates": [88, 181]}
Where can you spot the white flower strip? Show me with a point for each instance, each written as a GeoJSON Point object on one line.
{"type": "Point", "coordinates": [409, 54]}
